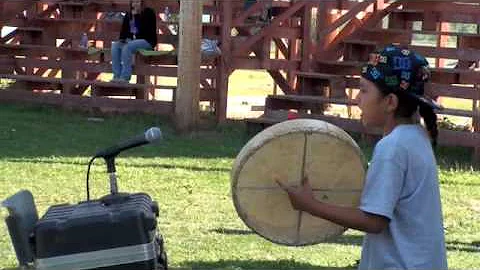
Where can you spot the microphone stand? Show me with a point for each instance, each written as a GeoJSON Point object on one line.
{"type": "Point", "coordinates": [114, 196]}
{"type": "Point", "coordinates": [110, 160]}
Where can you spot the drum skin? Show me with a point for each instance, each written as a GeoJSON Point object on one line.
{"type": "Point", "coordinates": [290, 151]}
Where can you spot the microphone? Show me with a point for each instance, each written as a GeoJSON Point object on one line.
{"type": "Point", "coordinates": [151, 135]}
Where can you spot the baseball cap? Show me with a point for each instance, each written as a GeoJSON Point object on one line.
{"type": "Point", "coordinates": [399, 70]}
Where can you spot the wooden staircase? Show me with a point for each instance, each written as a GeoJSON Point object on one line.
{"type": "Point", "coordinates": [34, 52]}
{"type": "Point", "coordinates": [332, 78]}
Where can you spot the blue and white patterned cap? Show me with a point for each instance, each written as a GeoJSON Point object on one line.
{"type": "Point", "coordinates": [398, 70]}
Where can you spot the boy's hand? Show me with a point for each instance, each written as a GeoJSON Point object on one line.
{"type": "Point", "coordinates": [301, 197]}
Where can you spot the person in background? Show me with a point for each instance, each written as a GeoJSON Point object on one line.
{"type": "Point", "coordinates": [139, 31]}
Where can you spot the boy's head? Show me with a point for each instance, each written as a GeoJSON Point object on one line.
{"type": "Point", "coordinates": [392, 87]}
{"type": "Point", "coordinates": [398, 76]}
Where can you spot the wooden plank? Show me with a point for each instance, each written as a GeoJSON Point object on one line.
{"type": "Point", "coordinates": [370, 20]}
{"type": "Point", "coordinates": [307, 43]}
{"type": "Point", "coordinates": [189, 60]}
{"type": "Point", "coordinates": [99, 104]}
{"type": "Point", "coordinates": [427, 51]}
{"type": "Point", "coordinates": [454, 91]}
{"type": "Point", "coordinates": [281, 81]}
{"type": "Point", "coordinates": [443, 6]}
{"type": "Point", "coordinates": [281, 46]}
{"type": "Point", "coordinates": [78, 65]}
{"type": "Point", "coordinates": [247, 46]}
{"type": "Point", "coordinates": [318, 75]}
{"type": "Point", "coordinates": [439, 75]}
{"type": "Point", "coordinates": [33, 78]}
{"type": "Point", "coordinates": [224, 65]}
{"type": "Point", "coordinates": [304, 99]}
{"type": "Point", "coordinates": [140, 91]}
{"type": "Point", "coordinates": [344, 19]}
{"type": "Point", "coordinates": [43, 50]}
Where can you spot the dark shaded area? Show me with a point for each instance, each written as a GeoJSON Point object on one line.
{"type": "Point", "coordinates": [463, 246]}
{"type": "Point", "coordinates": [232, 231]}
{"type": "Point", "coordinates": [357, 240]}
{"type": "Point", "coordinates": [100, 162]}
{"type": "Point", "coordinates": [258, 264]}
{"type": "Point", "coordinates": [28, 132]}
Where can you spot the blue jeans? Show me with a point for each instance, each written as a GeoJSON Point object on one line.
{"type": "Point", "coordinates": [122, 55]}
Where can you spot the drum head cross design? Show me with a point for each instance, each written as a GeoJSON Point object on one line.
{"type": "Point", "coordinates": [290, 151]}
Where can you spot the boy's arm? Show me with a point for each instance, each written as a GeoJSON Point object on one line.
{"type": "Point", "coordinates": [302, 199]}
{"type": "Point", "coordinates": [348, 217]}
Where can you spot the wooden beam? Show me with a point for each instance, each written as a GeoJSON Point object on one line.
{"type": "Point", "coordinates": [281, 81]}
{"type": "Point", "coordinates": [345, 18]}
{"type": "Point", "coordinates": [189, 59]}
{"type": "Point", "coordinates": [247, 45]}
{"type": "Point", "coordinates": [224, 65]}
{"type": "Point", "coordinates": [307, 44]}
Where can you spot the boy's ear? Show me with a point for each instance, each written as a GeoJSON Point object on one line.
{"type": "Point", "coordinates": [391, 103]}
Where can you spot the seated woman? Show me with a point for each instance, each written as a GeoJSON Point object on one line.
{"type": "Point", "coordinates": [139, 31]}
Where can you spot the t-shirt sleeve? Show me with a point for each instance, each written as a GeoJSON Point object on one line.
{"type": "Point", "coordinates": [383, 184]}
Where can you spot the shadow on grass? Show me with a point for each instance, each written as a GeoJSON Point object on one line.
{"type": "Point", "coordinates": [239, 265]}
{"type": "Point", "coordinates": [27, 132]}
{"type": "Point", "coordinates": [357, 240]}
{"type": "Point", "coordinates": [101, 163]}
{"type": "Point", "coordinates": [451, 245]}
{"type": "Point", "coordinates": [463, 246]}
{"type": "Point", "coordinates": [232, 231]}
{"type": "Point", "coordinates": [257, 264]}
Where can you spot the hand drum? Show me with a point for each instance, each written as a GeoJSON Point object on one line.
{"type": "Point", "coordinates": [290, 151]}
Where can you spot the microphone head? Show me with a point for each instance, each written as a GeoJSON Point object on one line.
{"type": "Point", "coordinates": [153, 134]}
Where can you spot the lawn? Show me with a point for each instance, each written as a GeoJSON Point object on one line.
{"type": "Point", "coordinates": [46, 151]}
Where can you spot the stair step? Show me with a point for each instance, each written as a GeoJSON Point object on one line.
{"type": "Point", "coordinates": [422, 32]}
{"type": "Point", "coordinates": [140, 91]}
{"type": "Point", "coordinates": [119, 85]}
{"type": "Point", "coordinates": [361, 42]}
{"type": "Point", "coordinates": [29, 29]}
{"type": "Point", "coordinates": [315, 75]}
{"type": "Point", "coordinates": [408, 11]}
{"type": "Point", "coordinates": [342, 63]}
{"type": "Point", "coordinates": [74, 3]}
{"type": "Point", "coordinates": [313, 99]}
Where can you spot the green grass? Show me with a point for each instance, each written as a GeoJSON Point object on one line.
{"type": "Point", "coordinates": [46, 150]}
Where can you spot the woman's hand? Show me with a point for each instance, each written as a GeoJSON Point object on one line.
{"type": "Point", "coordinates": [301, 197]}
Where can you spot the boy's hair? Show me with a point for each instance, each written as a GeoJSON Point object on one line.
{"type": "Point", "coordinates": [408, 107]}
{"type": "Point", "coordinates": [404, 73]}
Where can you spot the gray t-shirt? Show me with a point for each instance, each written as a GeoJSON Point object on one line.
{"type": "Point", "coordinates": [402, 185]}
